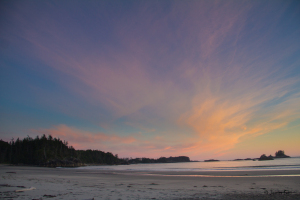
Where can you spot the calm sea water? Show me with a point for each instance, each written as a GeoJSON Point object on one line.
{"type": "Point", "coordinates": [245, 165]}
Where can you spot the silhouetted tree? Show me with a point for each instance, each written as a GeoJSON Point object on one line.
{"type": "Point", "coordinates": [281, 154]}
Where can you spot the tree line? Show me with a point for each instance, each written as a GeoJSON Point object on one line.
{"type": "Point", "coordinates": [52, 152]}
{"type": "Point", "coordinates": [159, 160]}
{"type": "Point", "coordinates": [49, 151]}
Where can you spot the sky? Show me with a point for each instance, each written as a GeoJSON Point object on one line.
{"type": "Point", "coordinates": [204, 79]}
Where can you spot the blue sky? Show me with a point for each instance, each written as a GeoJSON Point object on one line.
{"type": "Point", "coordinates": [206, 79]}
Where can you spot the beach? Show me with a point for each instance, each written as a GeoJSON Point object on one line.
{"type": "Point", "coordinates": [26, 182]}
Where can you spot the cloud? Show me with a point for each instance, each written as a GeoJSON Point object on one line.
{"type": "Point", "coordinates": [85, 139]}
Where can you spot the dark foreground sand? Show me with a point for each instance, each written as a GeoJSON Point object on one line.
{"type": "Point", "coordinates": [51, 183]}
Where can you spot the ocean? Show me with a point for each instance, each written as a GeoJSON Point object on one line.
{"type": "Point", "coordinates": [243, 165]}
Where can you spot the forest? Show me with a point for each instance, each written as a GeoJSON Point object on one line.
{"type": "Point", "coordinates": [51, 152]}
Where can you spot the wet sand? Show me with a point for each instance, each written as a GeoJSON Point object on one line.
{"type": "Point", "coordinates": [76, 183]}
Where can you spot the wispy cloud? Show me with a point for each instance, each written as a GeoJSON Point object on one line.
{"type": "Point", "coordinates": [223, 119]}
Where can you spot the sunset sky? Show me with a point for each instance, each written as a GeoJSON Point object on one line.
{"type": "Point", "coordinates": [204, 79]}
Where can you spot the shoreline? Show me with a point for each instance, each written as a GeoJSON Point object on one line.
{"type": "Point", "coordinates": [78, 183]}
{"type": "Point", "coordinates": [208, 173]}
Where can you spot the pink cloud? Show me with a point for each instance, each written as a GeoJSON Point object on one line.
{"type": "Point", "coordinates": [84, 139]}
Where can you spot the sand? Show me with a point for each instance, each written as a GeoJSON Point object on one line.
{"type": "Point", "coordinates": [59, 183]}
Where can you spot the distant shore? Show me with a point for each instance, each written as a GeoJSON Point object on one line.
{"type": "Point", "coordinates": [78, 183]}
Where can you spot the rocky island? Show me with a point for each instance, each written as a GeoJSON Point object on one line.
{"type": "Point", "coordinates": [211, 160]}
{"type": "Point", "coordinates": [278, 154]}
{"type": "Point", "coordinates": [264, 157]}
